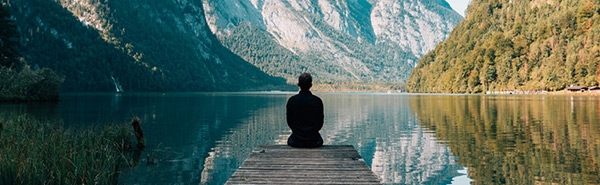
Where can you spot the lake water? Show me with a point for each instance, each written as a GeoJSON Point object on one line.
{"type": "Point", "coordinates": [202, 138]}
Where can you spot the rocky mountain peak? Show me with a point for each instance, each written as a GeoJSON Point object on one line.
{"type": "Point", "coordinates": [338, 33]}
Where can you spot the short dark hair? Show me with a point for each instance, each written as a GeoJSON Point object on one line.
{"type": "Point", "coordinates": [305, 81]}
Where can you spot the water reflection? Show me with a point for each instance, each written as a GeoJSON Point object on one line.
{"type": "Point", "coordinates": [382, 128]}
{"type": "Point", "coordinates": [185, 128]}
{"type": "Point", "coordinates": [265, 125]}
{"type": "Point", "coordinates": [518, 139]}
{"type": "Point", "coordinates": [202, 138]}
{"type": "Point", "coordinates": [42, 111]}
{"type": "Point", "coordinates": [386, 133]}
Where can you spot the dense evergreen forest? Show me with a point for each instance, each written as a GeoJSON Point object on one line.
{"type": "Point", "coordinates": [157, 45]}
{"type": "Point", "coordinates": [347, 45]}
{"type": "Point", "coordinates": [257, 47]}
{"type": "Point", "coordinates": [145, 48]}
{"type": "Point", "coordinates": [506, 45]}
{"type": "Point", "coordinates": [18, 81]}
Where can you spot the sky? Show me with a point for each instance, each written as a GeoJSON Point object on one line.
{"type": "Point", "coordinates": [459, 5]}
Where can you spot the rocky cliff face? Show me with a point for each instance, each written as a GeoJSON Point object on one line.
{"type": "Point", "coordinates": [182, 45]}
{"type": "Point", "coordinates": [417, 26]}
{"type": "Point", "coordinates": [151, 45]}
{"type": "Point", "coordinates": [357, 40]}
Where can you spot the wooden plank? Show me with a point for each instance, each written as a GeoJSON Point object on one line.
{"type": "Point", "coordinates": [281, 164]}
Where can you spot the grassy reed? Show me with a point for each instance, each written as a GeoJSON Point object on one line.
{"type": "Point", "coordinates": [36, 152]}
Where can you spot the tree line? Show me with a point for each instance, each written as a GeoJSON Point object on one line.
{"type": "Point", "coordinates": [18, 80]}
{"type": "Point", "coordinates": [386, 62]}
{"type": "Point", "coordinates": [146, 48]}
{"type": "Point", "coordinates": [515, 45]}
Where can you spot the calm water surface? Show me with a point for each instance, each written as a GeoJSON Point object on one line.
{"type": "Point", "coordinates": [202, 138]}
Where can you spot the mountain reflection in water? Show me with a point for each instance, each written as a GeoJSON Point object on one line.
{"type": "Point", "coordinates": [202, 138]}
{"type": "Point", "coordinates": [381, 127]}
{"type": "Point", "coordinates": [550, 139]}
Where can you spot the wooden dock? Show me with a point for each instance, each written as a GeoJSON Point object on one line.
{"type": "Point", "coordinates": [282, 164]}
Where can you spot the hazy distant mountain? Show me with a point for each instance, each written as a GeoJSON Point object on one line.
{"type": "Point", "coordinates": [506, 45]}
{"type": "Point", "coordinates": [170, 45]}
{"type": "Point", "coordinates": [336, 40]}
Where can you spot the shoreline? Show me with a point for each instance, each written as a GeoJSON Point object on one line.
{"type": "Point", "coordinates": [562, 92]}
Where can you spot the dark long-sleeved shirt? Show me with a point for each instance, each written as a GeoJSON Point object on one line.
{"type": "Point", "coordinates": [305, 117]}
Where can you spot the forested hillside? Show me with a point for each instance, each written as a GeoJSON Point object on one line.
{"type": "Point", "coordinates": [210, 45]}
{"type": "Point", "coordinates": [346, 45]}
{"type": "Point", "coordinates": [515, 45]}
{"type": "Point", "coordinates": [18, 81]}
{"type": "Point", "coordinates": [150, 45]}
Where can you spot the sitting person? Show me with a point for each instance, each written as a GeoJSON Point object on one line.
{"type": "Point", "coordinates": [305, 116]}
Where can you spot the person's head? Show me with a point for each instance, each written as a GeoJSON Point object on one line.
{"type": "Point", "coordinates": [305, 81]}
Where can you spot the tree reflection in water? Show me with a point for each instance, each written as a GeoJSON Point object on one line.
{"type": "Point", "coordinates": [382, 128]}
{"type": "Point", "coordinates": [518, 139]}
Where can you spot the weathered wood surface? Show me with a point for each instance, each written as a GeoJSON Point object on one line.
{"type": "Point", "coordinates": [281, 164]}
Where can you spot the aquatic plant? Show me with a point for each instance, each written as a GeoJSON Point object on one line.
{"type": "Point", "coordinates": [39, 152]}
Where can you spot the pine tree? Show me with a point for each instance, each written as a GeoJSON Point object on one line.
{"type": "Point", "coordinates": [9, 57]}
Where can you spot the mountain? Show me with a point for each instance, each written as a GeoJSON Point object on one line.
{"type": "Point", "coordinates": [150, 45]}
{"type": "Point", "coordinates": [341, 42]}
{"type": "Point", "coordinates": [215, 45]}
{"type": "Point", "coordinates": [505, 45]}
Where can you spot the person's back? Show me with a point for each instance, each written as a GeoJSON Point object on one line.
{"type": "Point", "coordinates": [305, 116]}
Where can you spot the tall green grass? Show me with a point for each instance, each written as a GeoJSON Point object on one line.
{"type": "Point", "coordinates": [36, 152]}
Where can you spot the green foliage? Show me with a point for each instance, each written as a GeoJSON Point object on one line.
{"type": "Point", "coordinates": [353, 57]}
{"type": "Point", "coordinates": [9, 57]}
{"type": "Point", "coordinates": [517, 139]}
{"type": "Point", "coordinates": [515, 45]}
{"type": "Point", "coordinates": [29, 85]}
{"type": "Point", "coordinates": [385, 61]}
{"type": "Point", "coordinates": [38, 152]}
{"type": "Point", "coordinates": [261, 50]}
{"type": "Point", "coordinates": [145, 48]}
{"type": "Point", "coordinates": [18, 82]}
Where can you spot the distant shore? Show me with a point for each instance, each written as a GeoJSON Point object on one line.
{"type": "Point", "coordinates": [562, 92]}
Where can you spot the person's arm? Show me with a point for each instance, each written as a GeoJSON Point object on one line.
{"type": "Point", "coordinates": [288, 114]}
{"type": "Point", "coordinates": [321, 115]}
